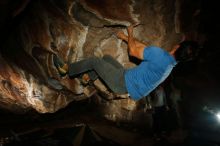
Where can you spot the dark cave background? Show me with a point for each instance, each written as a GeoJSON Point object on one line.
{"type": "Point", "coordinates": [198, 80]}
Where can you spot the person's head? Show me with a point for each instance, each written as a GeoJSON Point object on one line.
{"type": "Point", "coordinates": [186, 51]}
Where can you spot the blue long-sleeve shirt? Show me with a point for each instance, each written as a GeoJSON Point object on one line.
{"type": "Point", "coordinates": [156, 66]}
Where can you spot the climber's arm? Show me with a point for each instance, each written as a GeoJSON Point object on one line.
{"type": "Point", "coordinates": [135, 47]}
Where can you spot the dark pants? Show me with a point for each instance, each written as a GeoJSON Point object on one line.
{"type": "Point", "coordinates": [107, 68]}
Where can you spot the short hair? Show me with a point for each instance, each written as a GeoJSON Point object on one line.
{"type": "Point", "coordinates": [187, 51]}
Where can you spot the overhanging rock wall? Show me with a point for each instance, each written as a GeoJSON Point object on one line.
{"type": "Point", "coordinates": [74, 30]}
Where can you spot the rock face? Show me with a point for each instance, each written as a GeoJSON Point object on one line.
{"type": "Point", "coordinates": [73, 30]}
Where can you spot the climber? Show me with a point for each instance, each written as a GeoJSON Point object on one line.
{"type": "Point", "coordinates": [138, 81]}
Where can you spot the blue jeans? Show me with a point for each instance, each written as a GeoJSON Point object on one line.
{"type": "Point", "coordinates": [110, 71]}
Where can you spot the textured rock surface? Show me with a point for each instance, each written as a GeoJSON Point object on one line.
{"type": "Point", "coordinates": [75, 30]}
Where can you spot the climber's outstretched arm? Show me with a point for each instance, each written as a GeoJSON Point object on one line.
{"type": "Point", "coordinates": [135, 47]}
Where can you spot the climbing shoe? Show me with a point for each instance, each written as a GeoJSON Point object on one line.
{"type": "Point", "coordinates": [61, 67]}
